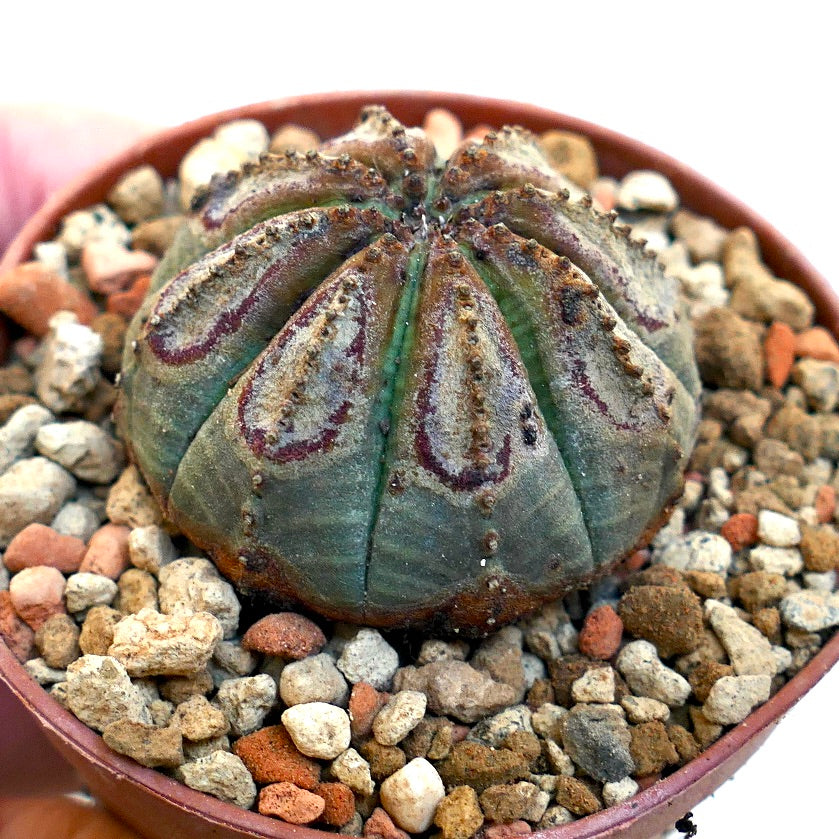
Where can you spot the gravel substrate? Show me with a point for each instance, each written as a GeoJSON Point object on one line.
{"type": "Point", "coordinates": [571, 710]}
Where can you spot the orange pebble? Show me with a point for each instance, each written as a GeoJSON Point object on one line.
{"type": "Point", "coordinates": [740, 531]}
{"type": "Point", "coordinates": [126, 303]}
{"type": "Point", "coordinates": [825, 503]}
{"type": "Point", "coordinates": [817, 343]}
{"type": "Point", "coordinates": [779, 351]}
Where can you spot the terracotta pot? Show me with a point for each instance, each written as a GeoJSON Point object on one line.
{"type": "Point", "coordinates": [160, 808]}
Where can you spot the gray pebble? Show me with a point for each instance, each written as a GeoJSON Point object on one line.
{"type": "Point", "coordinates": [85, 590]}
{"type": "Point", "coordinates": [812, 611]}
{"type": "Point", "coordinates": [639, 664]}
{"type": "Point", "coordinates": [222, 775]}
{"type": "Point", "coordinates": [82, 448]}
{"type": "Point", "coordinates": [597, 739]}
{"type": "Point", "coordinates": [246, 702]}
{"type": "Point", "coordinates": [492, 731]}
{"type": "Point", "coordinates": [748, 649]}
{"type": "Point", "coordinates": [75, 519]}
{"type": "Point", "coordinates": [697, 551]}
{"type": "Point", "coordinates": [234, 658]}
{"type": "Point", "coordinates": [369, 658]}
{"type": "Point", "coordinates": [95, 224]}
{"type": "Point", "coordinates": [4, 576]}
{"type": "Point", "coordinates": [138, 195]}
{"type": "Point", "coordinates": [732, 698]}
{"type": "Point", "coordinates": [787, 561]}
{"type": "Point", "coordinates": [31, 490]}
{"type": "Point", "coordinates": [42, 673]}
{"type": "Point", "coordinates": [819, 381]}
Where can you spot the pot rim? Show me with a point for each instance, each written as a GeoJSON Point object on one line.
{"type": "Point", "coordinates": [617, 154]}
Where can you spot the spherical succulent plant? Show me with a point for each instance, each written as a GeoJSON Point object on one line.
{"type": "Point", "coordinates": [398, 389]}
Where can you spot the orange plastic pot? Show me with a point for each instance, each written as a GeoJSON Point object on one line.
{"type": "Point", "coordinates": [160, 808]}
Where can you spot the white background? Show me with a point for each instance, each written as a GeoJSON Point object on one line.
{"type": "Point", "coordinates": [745, 93]}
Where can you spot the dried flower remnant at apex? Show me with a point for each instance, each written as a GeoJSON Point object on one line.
{"type": "Point", "coordinates": [400, 390]}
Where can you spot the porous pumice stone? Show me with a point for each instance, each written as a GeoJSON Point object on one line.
{"type": "Point", "coordinates": [401, 389]}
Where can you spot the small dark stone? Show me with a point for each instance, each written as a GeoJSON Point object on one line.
{"type": "Point", "coordinates": [597, 739]}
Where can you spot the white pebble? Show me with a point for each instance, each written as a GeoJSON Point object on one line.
{"type": "Point", "coordinates": [69, 369]}
{"type": "Point", "coordinates": [352, 769]}
{"type": "Point", "coordinates": [732, 698]}
{"type": "Point", "coordinates": [812, 611]}
{"type": "Point", "coordinates": [643, 709]}
{"type": "Point", "coordinates": [318, 729]}
{"type": "Point", "coordinates": [75, 519]}
{"type": "Point", "coordinates": [220, 774]}
{"type": "Point", "coordinates": [399, 717]}
{"type": "Point", "coordinates": [639, 664]}
{"type": "Point", "coordinates": [777, 529]}
{"type": "Point", "coordinates": [786, 561]}
{"type": "Point", "coordinates": [246, 702]}
{"type": "Point", "coordinates": [696, 551]}
{"type": "Point", "coordinates": [313, 679]}
{"type": "Point", "coordinates": [616, 792]}
{"type": "Point", "coordinates": [82, 448]}
{"type": "Point", "coordinates": [411, 795]}
{"type": "Point", "coordinates": [748, 648]}
{"type": "Point", "coordinates": [31, 490]}
{"type": "Point", "coordinates": [647, 190]}
{"type": "Point", "coordinates": [95, 224]}
{"type": "Point", "coordinates": [100, 692]}
{"type": "Point", "coordinates": [150, 548]}
{"type": "Point", "coordinates": [86, 589]}
{"type": "Point", "coordinates": [595, 685]}
{"type": "Point", "coordinates": [369, 658]}
{"type": "Point", "coordinates": [17, 436]}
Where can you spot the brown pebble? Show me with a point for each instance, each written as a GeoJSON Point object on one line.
{"type": "Point", "coordinates": [504, 803]}
{"type": "Point", "coordinates": [572, 155]}
{"type": "Point", "coordinates": [111, 329]}
{"type": "Point", "coordinates": [576, 796]}
{"type": "Point", "coordinates": [444, 129]}
{"type": "Point", "coordinates": [768, 622]}
{"type": "Point", "coordinates": [18, 637]}
{"type": "Point", "coordinates": [126, 303]}
{"type": "Point", "coordinates": [178, 689]}
{"type": "Point", "coordinates": [291, 137]}
{"type": "Point", "coordinates": [728, 350]}
{"type": "Point", "coordinates": [137, 590]}
{"type": "Point", "coordinates": [339, 801]}
{"type": "Point", "coordinates": [817, 343]}
{"type": "Point", "coordinates": [758, 589]}
{"type": "Point", "coordinates": [100, 402]}
{"type": "Point", "coordinates": [147, 744]}
{"type": "Point", "coordinates": [11, 402]}
{"type": "Point", "coordinates": [38, 544]}
{"type": "Point", "coordinates": [601, 634]}
{"type": "Point", "coordinates": [825, 503]}
{"type": "Point", "coordinates": [564, 671]}
{"type": "Point", "coordinates": [98, 630]}
{"type": "Point", "coordinates": [705, 731]}
{"type": "Point", "coordinates": [31, 294]}
{"type": "Point", "coordinates": [524, 743]}
{"type": "Point", "coordinates": [290, 803]}
{"type": "Point", "coordinates": [107, 551]}
{"type": "Point", "coordinates": [15, 378]}
{"type": "Point", "coordinates": [740, 531]}
{"type": "Point", "coordinates": [57, 639]}
{"type": "Point", "coordinates": [651, 748]}
{"type": "Point", "coordinates": [820, 547]}
{"type": "Point", "coordinates": [685, 743]}
{"type": "Point", "coordinates": [271, 756]}
{"type": "Point", "coordinates": [38, 594]}
{"type": "Point", "coordinates": [541, 691]}
{"type": "Point", "coordinates": [646, 781]}
{"type": "Point", "coordinates": [365, 702]}
{"type": "Point", "coordinates": [658, 575]}
{"type": "Point", "coordinates": [383, 760]}
{"type": "Point", "coordinates": [459, 814]}
{"type": "Point", "coordinates": [670, 618]}
{"type": "Point", "coordinates": [703, 677]}
{"type": "Point", "coordinates": [430, 738]}
{"type": "Point", "coordinates": [380, 826]}
{"type": "Point", "coordinates": [284, 634]}
{"type": "Point", "coordinates": [706, 584]}
{"type": "Point", "coordinates": [779, 353]}
{"type": "Point", "coordinates": [156, 235]}
{"type": "Point", "coordinates": [480, 766]}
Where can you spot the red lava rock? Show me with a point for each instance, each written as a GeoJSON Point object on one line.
{"type": "Point", "coordinates": [817, 343]}
{"type": "Point", "coordinates": [38, 544]}
{"type": "Point", "coordinates": [601, 634]}
{"type": "Point", "coordinates": [646, 781]}
{"type": "Point", "coordinates": [380, 826]}
{"type": "Point", "coordinates": [340, 803]}
{"type": "Point", "coordinates": [365, 702]}
{"type": "Point", "coordinates": [779, 352]}
{"type": "Point", "coordinates": [740, 531]}
{"type": "Point", "coordinates": [290, 803]}
{"type": "Point", "coordinates": [111, 268]}
{"type": "Point", "coordinates": [37, 594]}
{"type": "Point", "coordinates": [825, 503]}
{"type": "Point", "coordinates": [502, 831]}
{"type": "Point", "coordinates": [107, 551]}
{"type": "Point", "coordinates": [271, 757]}
{"type": "Point", "coordinates": [284, 634]}
{"type": "Point", "coordinates": [127, 302]}
{"type": "Point", "coordinates": [19, 638]}
{"type": "Point", "coordinates": [31, 294]}
{"type": "Point", "coordinates": [635, 562]}
{"type": "Point", "coordinates": [605, 194]}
